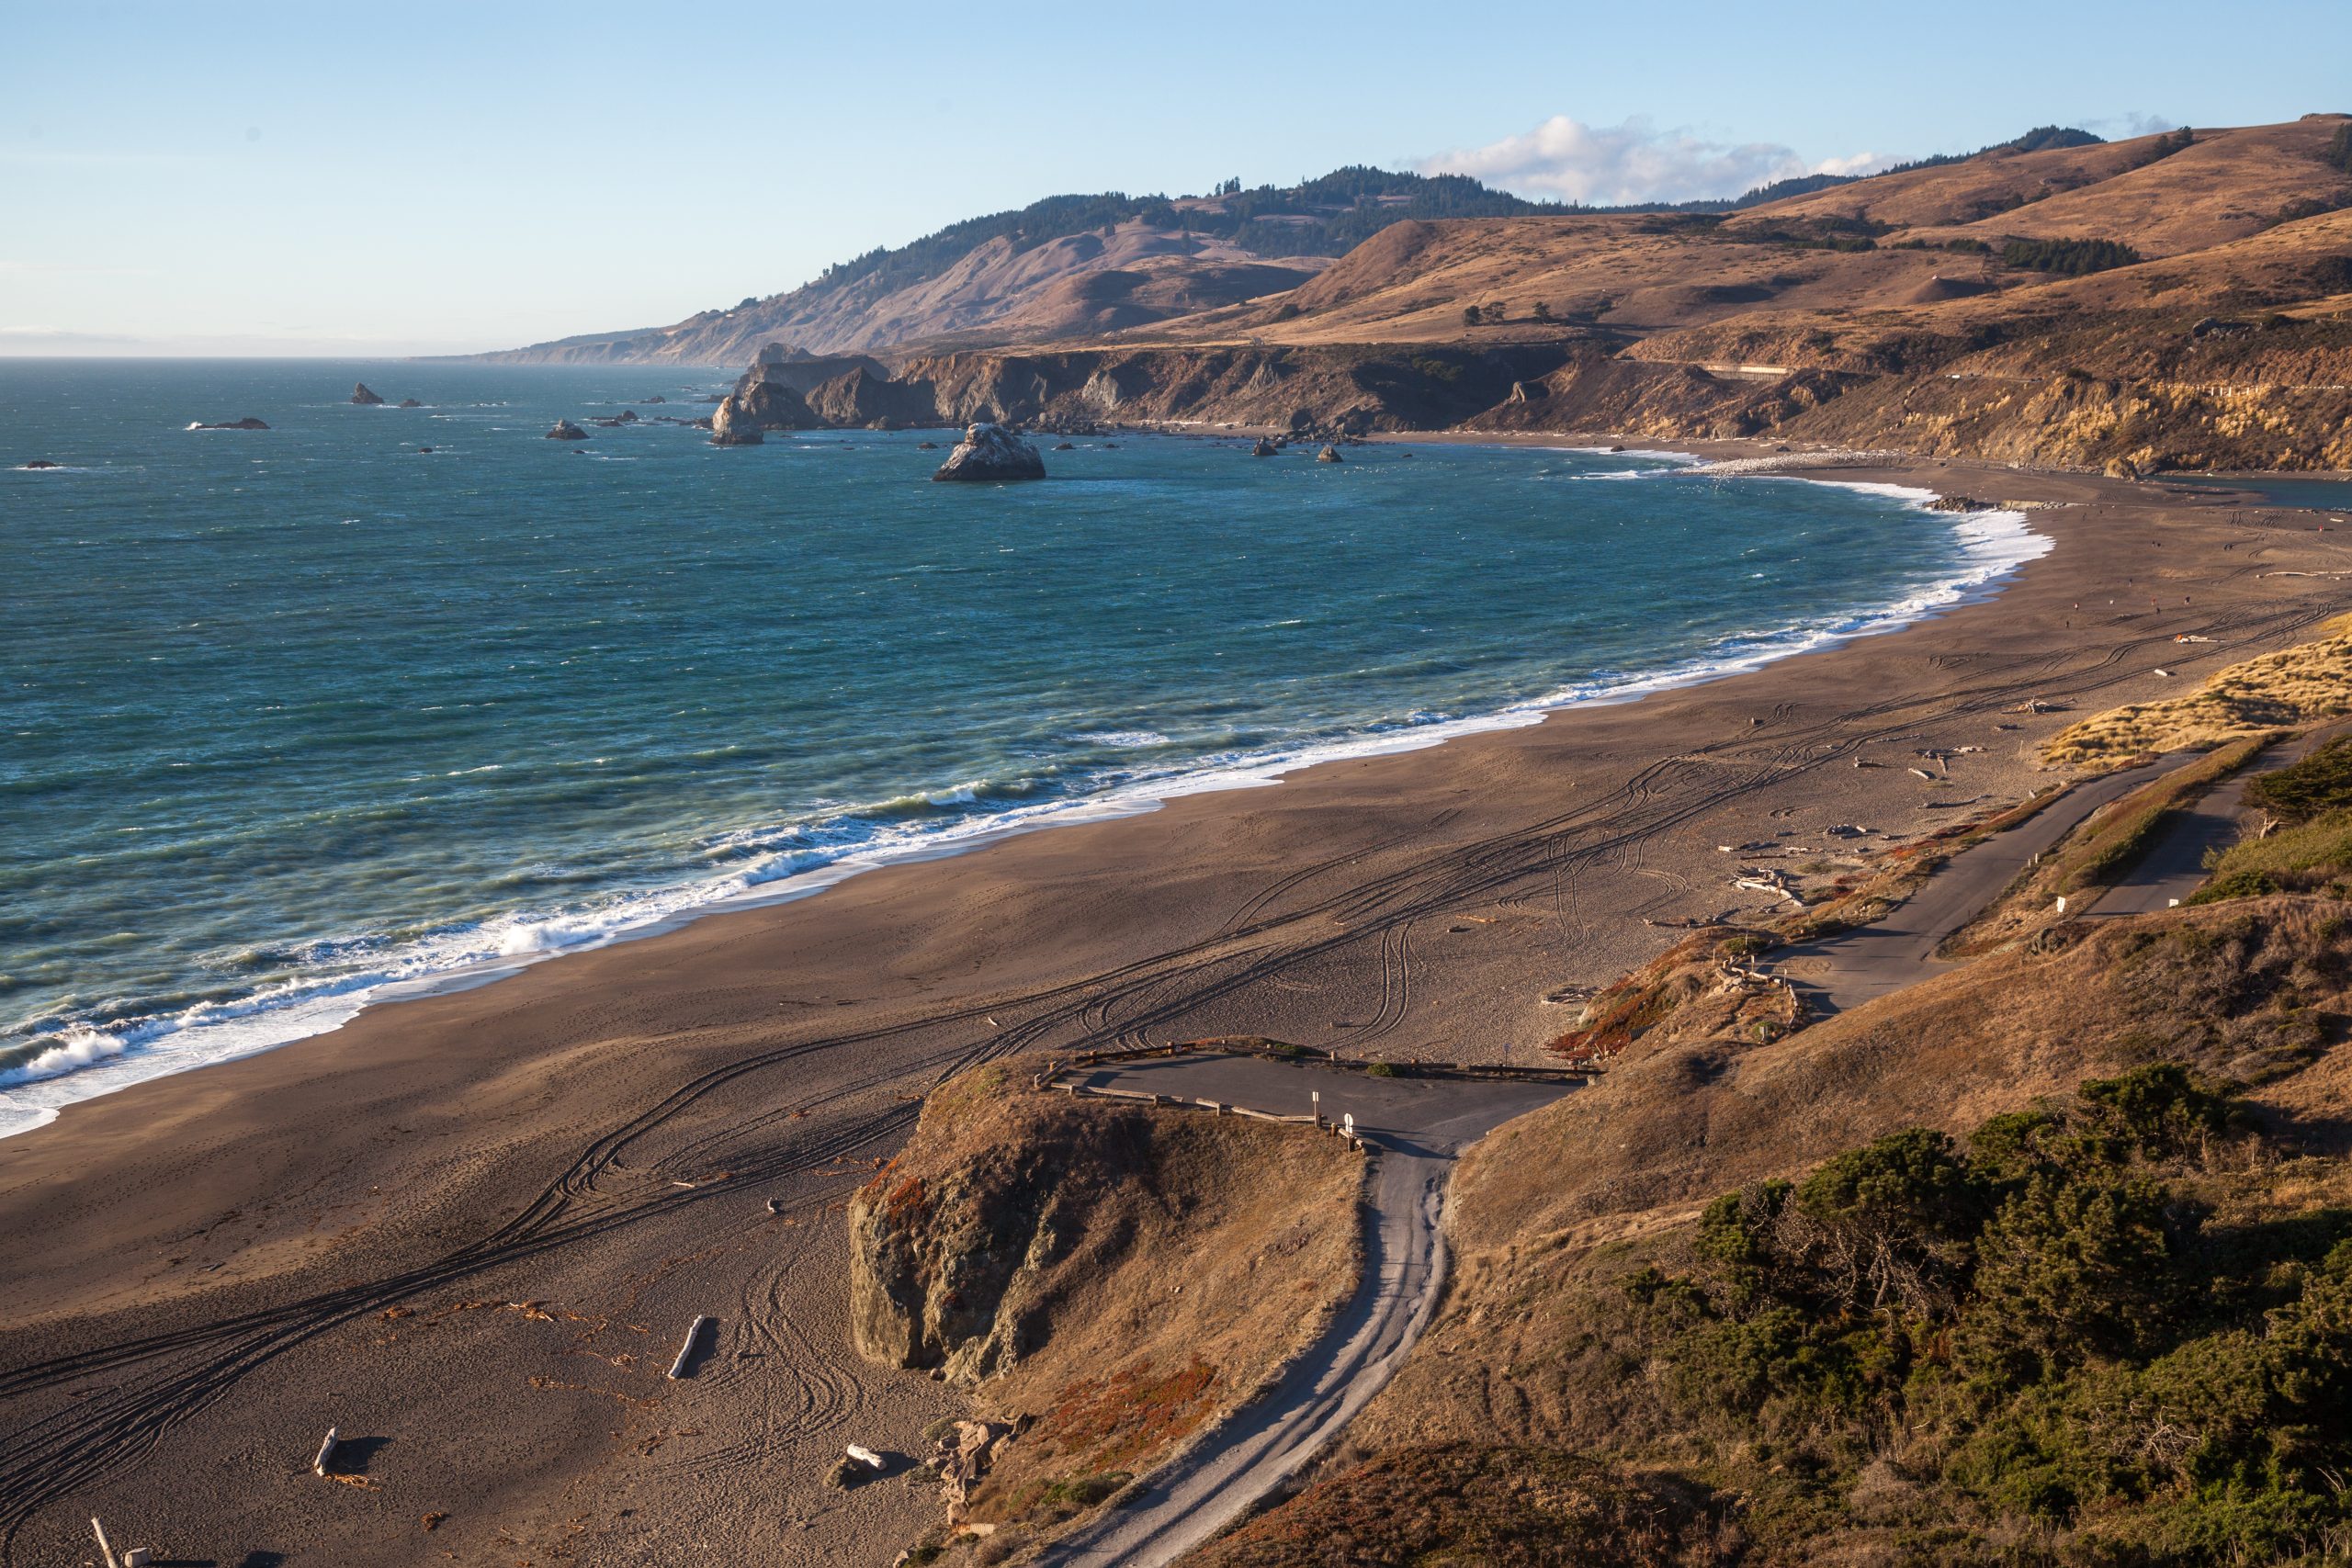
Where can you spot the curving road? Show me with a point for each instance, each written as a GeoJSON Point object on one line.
{"type": "Point", "coordinates": [1854, 967]}
{"type": "Point", "coordinates": [1414, 1127]}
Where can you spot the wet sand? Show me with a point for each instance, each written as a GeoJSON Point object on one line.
{"type": "Point", "coordinates": [469, 1231]}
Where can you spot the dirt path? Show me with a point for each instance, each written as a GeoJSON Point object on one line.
{"type": "Point", "coordinates": [1415, 1127]}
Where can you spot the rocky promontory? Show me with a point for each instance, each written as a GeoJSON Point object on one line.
{"type": "Point", "coordinates": [991, 452]}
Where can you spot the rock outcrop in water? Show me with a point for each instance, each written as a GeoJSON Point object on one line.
{"type": "Point", "coordinates": [36, 463]}
{"type": "Point", "coordinates": [410, 403]}
{"type": "Point", "coordinates": [991, 452]}
{"type": "Point", "coordinates": [248, 423]}
{"type": "Point", "coordinates": [566, 431]}
{"type": "Point", "coordinates": [766, 398]}
{"type": "Point", "coordinates": [1328, 454]}
{"type": "Point", "coordinates": [1265, 448]}
{"type": "Point", "coordinates": [361, 395]}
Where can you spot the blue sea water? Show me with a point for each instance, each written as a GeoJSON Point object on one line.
{"type": "Point", "coordinates": [289, 717]}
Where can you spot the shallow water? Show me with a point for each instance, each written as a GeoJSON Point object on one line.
{"type": "Point", "coordinates": [288, 714]}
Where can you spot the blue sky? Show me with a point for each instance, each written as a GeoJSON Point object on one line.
{"type": "Point", "coordinates": [423, 177]}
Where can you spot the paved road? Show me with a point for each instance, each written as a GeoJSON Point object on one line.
{"type": "Point", "coordinates": [2174, 866]}
{"type": "Point", "coordinates": [1414, 1126]}
{"type": "Point", "coordinates": [1852, 968]}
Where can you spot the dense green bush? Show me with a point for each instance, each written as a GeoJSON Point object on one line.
{"type": "Point", "coordinates": [2339, 148]}
{"type": "Point", "coordinates": [2300, 791]}
{"type": "Point", "coordinates": [2041, 1324]}
{"type": "Point", "coordinates": [2068, 258]}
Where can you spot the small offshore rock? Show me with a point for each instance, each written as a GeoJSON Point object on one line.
{"type": "Point", "coordinates": [926, 446]}
{"type": "Point", "coordinates": [657, 398]}
{"type": "Point", "coordinates": [1064, 446]}
{"type": "Point", "coordinates": [361, 395]}
{"type": "Point", "coordinates": [1265, 448]}
{"type": "Point", "coordinates": [991, 452]}
{"type": "Point", "coordinates": [410, 403]}
{"type": "Point", "coordinates": [248, 423]}
{"type": "Point", "coordinates": [37, 463]}
{"type": "Point", "coordinates": [1329, 455]}
{"type": "Point", "coordinates": [566, 431]}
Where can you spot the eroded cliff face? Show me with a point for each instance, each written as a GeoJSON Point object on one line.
{"type": "Point", "coordinates": [2250, 395]}
{"type": "Point", "coordinates": [1108, 1278]}
{"type": "Point", "coordinates": [1350, 388]}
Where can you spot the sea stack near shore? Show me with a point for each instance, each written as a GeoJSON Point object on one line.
{"type": "Point", "coordinates": [360, 394]}
{"type": "Point", "coordinates": [991, 452]}
{"type": "Point", "coordinates": [566, 431]}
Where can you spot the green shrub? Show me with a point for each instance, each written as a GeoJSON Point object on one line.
{"type": "Point", "coordinates": [2339, 150]}
{"type": "Point", "coordinates": [2068, 258]}
{"type": "Point", "coordinates": [2300, 791]}
{"type": "Point", "coordinates": [2034, 1325]}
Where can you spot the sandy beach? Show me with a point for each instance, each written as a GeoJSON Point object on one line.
{"type": "Point", "coordinates": [469, 1231]}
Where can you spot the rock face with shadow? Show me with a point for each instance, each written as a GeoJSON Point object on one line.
{"type": "Point", "coordinates": [991, 452]}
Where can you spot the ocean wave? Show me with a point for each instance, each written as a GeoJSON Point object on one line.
{"type": "Point", "coordinates": [785, 862]}
{"type": "Point", "coordinates": [1130, 739]}
{"type": "Point", "coordinates": [52, 1055]}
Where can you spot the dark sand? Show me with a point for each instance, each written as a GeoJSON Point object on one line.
{"type": "Point", "coordinates": [197, 1273]}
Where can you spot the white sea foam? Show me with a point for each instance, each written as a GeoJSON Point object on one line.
{"type": "Point", "coordinates": [78, 1047]}
{"type": "Point", "coordinates": [1130, 739]}
{"type": "Point", "coordinates": [86, 1063]}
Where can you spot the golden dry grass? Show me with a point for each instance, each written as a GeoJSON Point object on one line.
{"type": "Point", "coordinates": [2295, 686]}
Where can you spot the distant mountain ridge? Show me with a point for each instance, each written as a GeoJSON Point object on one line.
{"type": "Point", "coordinates": [1062, 265]}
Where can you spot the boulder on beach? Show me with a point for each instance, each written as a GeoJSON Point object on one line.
{"type": "Point", "coordinates": [248, 423]}
{"type": "Point", "coordinates": [566, 431]}
{"type": "Point", "coordinates": [360, 394]}
{"type": "Point", "coordinates": [1329, 455]}
{"type": "Point", "coordinates": [991, 452]}
{"type": "Point", "coordinates": [1265, 448]}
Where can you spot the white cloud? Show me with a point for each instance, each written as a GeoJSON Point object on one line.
{"type": "Point", "coordinates": [2124, 126]}
{"type": "Point", "coordinates": [1600, 165]}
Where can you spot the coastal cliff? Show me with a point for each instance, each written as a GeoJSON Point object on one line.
{"type": "Point", "coordinates": [1105, 1280]}
{"type": "Point", "coordinates": [2175, 301]}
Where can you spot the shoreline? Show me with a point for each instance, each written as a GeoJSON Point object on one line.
{"type": "Point", "coordinates": [333, 1233]}
{"type": "Point", "coordinates": [112, 1060]}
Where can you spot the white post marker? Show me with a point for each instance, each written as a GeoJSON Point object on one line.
{"type": "Point", "coordinates": [694, 1332]}
{"type": "Point", "coordinates": [1316, 1095]}
{"type": "Point", "coordinates": [1348, 1121]}
{"type": "Point", "coordinates": [104, 1549]}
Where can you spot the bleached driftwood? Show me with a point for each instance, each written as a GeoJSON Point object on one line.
{"type": "Point", "coordinates": [694, 1333]}
{"type": "Point", "coordinates": [326, 1453]}
{"type": "Point", "coordinates": [104, 1549]}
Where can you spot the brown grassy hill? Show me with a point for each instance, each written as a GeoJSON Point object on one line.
{"type": "Point", "coordinates": [2224, 186]}
{"type": "Point", "coordinates": [1084, 284]}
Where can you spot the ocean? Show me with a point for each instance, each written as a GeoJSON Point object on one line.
{"type": "Point", "coordinates": [292, 721]}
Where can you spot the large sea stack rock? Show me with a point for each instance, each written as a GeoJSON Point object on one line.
{"type": "Point", "coordinates": [360, 394]}
{"type": "Point", "coordinates": [761, 401]}
{"type": "Point", "coordinates": [566, 431]}
{"type": "Point", "coordinates": [990, 452]}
